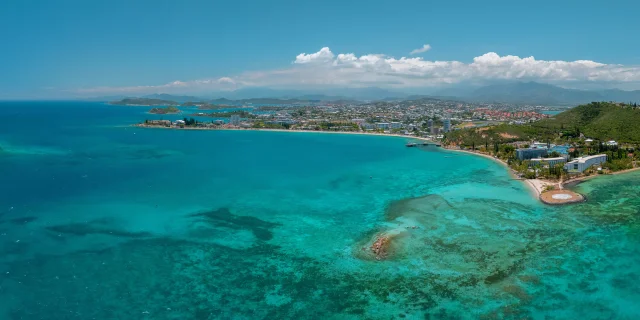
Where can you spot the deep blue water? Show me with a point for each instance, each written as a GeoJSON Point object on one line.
{"type": "Point", "coordinates": [101, 220]}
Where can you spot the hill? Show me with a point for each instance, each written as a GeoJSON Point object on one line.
{"type": "Point", "coordinates": [143, 102]}
{"type": "Point", "coordinates": [532, 93]}
{"type": "Point", "coordinates": [170, 97]}
{"type": "Point", "coordinates": [598, 120]}
{"type": "Point", "coordinates": [535, 93]}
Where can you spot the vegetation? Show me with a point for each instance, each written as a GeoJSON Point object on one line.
{"type": "Point", "coordinates": [598, 120]}
{"type": "Point", "coordinates": [143, 102]}
{"type": "Point", "coordinates": [167, 110]}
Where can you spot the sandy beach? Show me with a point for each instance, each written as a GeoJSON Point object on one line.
{"type": "Point", "coordinates": [285, 130]}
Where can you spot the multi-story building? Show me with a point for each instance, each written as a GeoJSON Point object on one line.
{"type": "Point", "coordinates": [581, 164]}
{"type": "Point", "coordinates": [447, 125]}
{"type": "Point", "coordinates": [382, 125]}
{"type": "Point", "coordinates": [395, 125]}
{"type": "Point", "coordinates": [531, 153]}
{"type": "Point", "coordinates": [431, 127]}
{"type": "Point", "coordinates": [234, 120]}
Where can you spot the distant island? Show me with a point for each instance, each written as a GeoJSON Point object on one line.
{"type": "Point", "coordinates": [143, 102]}
{"type": "Point", "coordinates": [203, 105]}
{"type": "Point", "coordinates": [166, 110]}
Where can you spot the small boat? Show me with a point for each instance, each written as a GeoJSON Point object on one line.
{"type": "Point", "coordinates": [411, 145]}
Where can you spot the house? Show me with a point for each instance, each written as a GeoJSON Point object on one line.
{"type": "Point", "coordinates": [579, 165]}
{"type": "Point", "coordinates": [179, 123]}
{"type": "Point", "coordinates": [611, 143]}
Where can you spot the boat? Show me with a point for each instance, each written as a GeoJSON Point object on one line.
{"type": "Point", "coordinates": [411, 145]}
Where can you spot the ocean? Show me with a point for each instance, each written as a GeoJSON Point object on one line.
{"type": "Point", "coordinates": [101, 220]}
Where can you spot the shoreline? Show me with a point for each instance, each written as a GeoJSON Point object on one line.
{"type": "Point", "coordinates": [535, 186]}
{"type": "Point", "coordinates": [285, 130]}
{"type": "Point", "coordinates": [576, 181]}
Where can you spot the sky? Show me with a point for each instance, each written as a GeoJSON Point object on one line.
{"type": "Point", "coordinates": [69, 48]}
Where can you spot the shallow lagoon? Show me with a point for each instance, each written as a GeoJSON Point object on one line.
{"type": "Point", "coordinates": [100, 220]}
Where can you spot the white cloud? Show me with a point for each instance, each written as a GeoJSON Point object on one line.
{"type": "Point", "coordinates": [424, 48]}
{"type": "Point", "coordinates": [324, 68]}
{"type": "Point", "coordinates": [323, 55]}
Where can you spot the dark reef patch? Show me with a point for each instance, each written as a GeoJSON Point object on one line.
{"type": "Point", "coordinates": [84, 229]}
{"type": "Point", "coordinates": [420, 205]}
{"type": "Point", "coordinates": [223, 218]}
{"type": "Point", "coordinates": [23, 220]}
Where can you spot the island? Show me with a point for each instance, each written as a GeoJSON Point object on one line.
{"type": "Point", "coordinates": [166, 110]}
{"type": "Point", "coordinates": [143, 102]}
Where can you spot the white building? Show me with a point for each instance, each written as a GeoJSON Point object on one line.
{"type": "Point", "coordinates": [583, 163]}
{"type": "Point", "coordinates": [382, 125]}
{"type": "Point", "coordinates": [180, 123]}
{"type": "Point", "coordinates": [612, 143]}
{"type": "Point", "coordinates": [234, 120]}
{"type": "Point", "coordinates": [447, 125]}
{"type": "Point", "coordinates": [395, 125]}
{"type": "Point", "coordinates": [368, 126]}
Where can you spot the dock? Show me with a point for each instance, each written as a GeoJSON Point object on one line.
{"type": "Point", "coordinates": [422, 144]}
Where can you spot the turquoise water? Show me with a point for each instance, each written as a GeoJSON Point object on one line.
{"type": "Point", "coordinates": [100, 220]}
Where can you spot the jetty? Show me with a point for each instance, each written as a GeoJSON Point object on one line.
{"type": "Point", "coordinates": [422, 144]}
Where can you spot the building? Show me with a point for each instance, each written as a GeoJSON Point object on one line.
{"type": "Point", "coordinates": [531, 153]}
{"type": "Point", "coordinates": [382, 125]}
{"type": "Point", "coordinates": [612, 143]}
{"type": "Point", "coordinates": [547, 161]}
{"type": "Point", "coordinates": [581, 164]}
{"type": "Point", "coordinates": [431, 128]}
{"type": "Point", "coordinates": [180, 123]}
{"type": "Point", "coordinates": [395, 125]}
{"type": "Point", "coordinates": [447, 125]}
{"type": "Point", "coordinates": [368, 126]}
{"type": "Point", "coordinates": [234, 120]}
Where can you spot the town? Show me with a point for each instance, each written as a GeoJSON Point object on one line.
{"type": "Point", "coordinates": [426, 118]}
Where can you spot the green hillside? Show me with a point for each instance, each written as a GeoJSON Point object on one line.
{"type": "Point", "coordinates": [143, 102]}
{"type": "Point", "coordinates": [598, 120]}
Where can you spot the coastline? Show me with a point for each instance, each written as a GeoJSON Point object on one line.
{"type": "Point", "coordinates": [536, 187]}
{"type": "Point", "coordinates": [576, 181]}
{"type": "Point", "coordinates": [285, 130]}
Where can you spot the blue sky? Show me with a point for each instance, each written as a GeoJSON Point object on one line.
{"type": "Point", "coordinates": [82, 48]}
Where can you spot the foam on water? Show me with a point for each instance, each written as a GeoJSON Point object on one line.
{"type": "Point", "coordinates": [181, 224]}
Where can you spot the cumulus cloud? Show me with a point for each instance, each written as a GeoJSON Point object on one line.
{"type": "Point", "coordinates": [424, 48]}
{"type": "Point", "coordinates": [323, 55]}
{"type": "Point", "coordinates": [324, 68]}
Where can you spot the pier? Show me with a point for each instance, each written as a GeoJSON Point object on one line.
{"type": "Point", "coordinates": [422, 144]}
